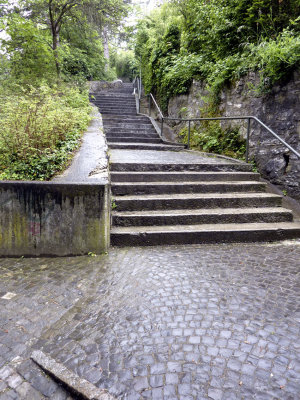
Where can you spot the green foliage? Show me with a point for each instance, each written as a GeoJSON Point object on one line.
{"type": "Point", "coordinates": [125, 63]}
{"type": "Point", "coordinates": [81, 54]}
{"type": "Point", "coordinates": [40, 128]}
{"type": "Point", "coordinates": [211, 138]}
{"type": "Point", "coordinates": [217, 41]}
{"type": "Point", "coordinates": [30, 56]}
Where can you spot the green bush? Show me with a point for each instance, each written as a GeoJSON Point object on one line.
{"type": "Point", "coordinates": [217, 42]}
{"type": "Point", "coordinates": [211, 138]}
{"type": "Point", "coordinates": [125, 64]}
{"type": "Point", "coordinates": [40, 127]}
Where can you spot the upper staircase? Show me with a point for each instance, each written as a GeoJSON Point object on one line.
{"type": "Point", "coordinates": [125, 129]}
{"type": "Point", "coordinates": [181, 197]}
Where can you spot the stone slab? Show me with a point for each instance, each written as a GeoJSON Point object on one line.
{"type": "Point", "coordinates": [76, 384]}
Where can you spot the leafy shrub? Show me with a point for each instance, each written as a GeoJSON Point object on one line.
{"type": "Point", "coordinates": [40, 127]}
{"type": "Point", "coordinates": [217, 41]}
{"type": "Point", "coordinates": [211, 138]}
{"type": "Point", "coordinates": [125, 64]}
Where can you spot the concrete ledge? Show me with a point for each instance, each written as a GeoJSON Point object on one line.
{"type": "Point", "coordinates": [77, 385]}
{"type": "Point", "coordinates": [67, 216]}
{"type": "Point", "coordinates": [53, 219]}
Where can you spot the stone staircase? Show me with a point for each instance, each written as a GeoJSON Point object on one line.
{"type": "Point", "coordinates": [181, 197]}
{"type": "Point", "coordinates": [125, 129]}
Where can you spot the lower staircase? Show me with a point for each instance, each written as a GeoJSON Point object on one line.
{"type": "Point", "coordinates": [170, 202]}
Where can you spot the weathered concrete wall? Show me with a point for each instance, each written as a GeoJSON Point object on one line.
{"type": "Point", "coordinates": [42, 218]}
{"type": "Point", "coordinates": [98, 86]}
{"type": "Point", "coordinates": [278, 109]}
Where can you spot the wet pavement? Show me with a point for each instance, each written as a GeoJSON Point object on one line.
{"type": "Point", "coordinates": [165, 157]}
{"type": "Point", "coordinates": [178, 322]}
{"type": "Point", "coordinates": [90, 163]}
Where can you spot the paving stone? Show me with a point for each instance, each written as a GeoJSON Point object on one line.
{"type": "Point", "coordinates": [136, 310]}
{"type": "Point", "coordinates": [3, 386]}
{"type": "Point", "coordinates": [156, 381]}
{"type": "Point", "coordinates": [172, 379]}
{"type": "Point", "coordinates": [14, 381]}
{"type": "Point", "coordinates": [215, 394]}
{"type": "Point", "coordinates": [5, 372]}
{"type": "Point", "coordinates": [141, 383]}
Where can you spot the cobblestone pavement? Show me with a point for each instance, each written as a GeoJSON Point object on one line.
{"type": "Point", "coordinates": [40, 291]}
{"type": "Point", "coordinates": [178, 322]}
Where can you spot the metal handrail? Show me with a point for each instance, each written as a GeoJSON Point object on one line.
{"type": "Point", "coordinates": [151, 98]}
{"type": "Point", "coordinates": [138, 82]}
{"type": "Point", "coordinates": [241, 117]}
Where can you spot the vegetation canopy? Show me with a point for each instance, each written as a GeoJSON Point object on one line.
{"type": "Point", "coordinates": [217, 41]}
{"type": "Point", "coordinates": [49, 51]}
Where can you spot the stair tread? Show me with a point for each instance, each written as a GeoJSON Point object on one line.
{"type": "Point", "coordinates": [127, 144]}
{"type": "Point", "coordinates": [236, 183]}
{"type": "Point", "coordinates": [257, 226]}
{"type": "Point", "coordinates": [183, 173]}
{"type": "Point", "coordinates": [197, 195]}
{"type": "Point", "coordinates": [203, 211]}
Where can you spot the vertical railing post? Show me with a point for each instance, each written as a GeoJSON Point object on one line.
{"type": "Point", "coordinates": [247, 140]}
{"type": "Point", "coordinates": [189, 134]}
{"type": "Point", "coordinates": [140, 87]}
{"type": "Point", "coordinates": [162, 126]}
{"type": "Point", "coordinates": [149, 111]}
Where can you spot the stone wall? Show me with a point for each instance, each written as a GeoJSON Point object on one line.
{"type": "Point", "coordinates": [99, 86]}
{"type": "Point", "coordinates": [279, 109]}
{"type": "Point", "coordinates": [44, 218]}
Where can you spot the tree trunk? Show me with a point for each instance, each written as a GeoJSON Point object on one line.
{"type": "Point", "coordinates": [105, 46]}
{"type": "Point", "coordinates": [55, 45]}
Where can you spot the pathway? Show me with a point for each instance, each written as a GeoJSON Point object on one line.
{"type": "Point", "coordinates": [180, 322]}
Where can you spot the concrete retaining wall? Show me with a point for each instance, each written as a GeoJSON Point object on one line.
{"type": "Point", "coordinates": [42, 218]}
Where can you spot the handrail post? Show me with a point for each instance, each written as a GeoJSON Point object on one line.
{"type": "Point", "coordinates": [189, 134]}
{"type": "Point", "coordinates": [162, 126]}
{"type": "Point", "coordinates": [141, 86]}
{"type": "Point", "coordinates": [149, 111]}
{"type": "Point", "coordinates": [247, 141]}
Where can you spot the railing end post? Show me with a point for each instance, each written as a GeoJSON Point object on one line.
{"type": "Point", "coordinates": [162, 127]}
{"type": "Point", "coordinates": [189, 134]}
{"type": "Point", "coordinates": [248, 139]}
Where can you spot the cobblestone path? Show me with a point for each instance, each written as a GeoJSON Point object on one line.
{"type": "Point", "coordinates": [188, 322]}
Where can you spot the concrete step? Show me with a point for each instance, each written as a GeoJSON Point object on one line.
{"type": "Point", "coordinates": [180, 176]}
{"type": "Point", "coordinates": [146, 146]}
{"type": "Point", "coordinates": [121, 120]}
{"type": "Point", "coordinates": [109, 100]}
{"type": "Point", "coordinates": [112, 97]}
{"type": "Point", "coordinates": [136, 139]}
{"type": "Point", "coordinates": [130, 126]}
{"type": "Point", "coordinates": [142, 188]}
{"type": "Point", "coordinates": [141, 146]}
{"type": "Point", "coordinates": [104, 112]}
{"type": "Point", "coordinates": [122, 133]}
{"type": "Point", "coordinates": [201, 216]}
{"type": "Point", "coordinates": [128, 131]}
{"type": "Point", "coordinates": [117, 111]}
{"type": "Point", "coordinates": [126, 108]}
{"type": "Point", "coordinates": [208, 233]}
{"type": "Point", "coordinates": [170, 167]}
{"type": "Point", "coordinates": [195, 200]}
